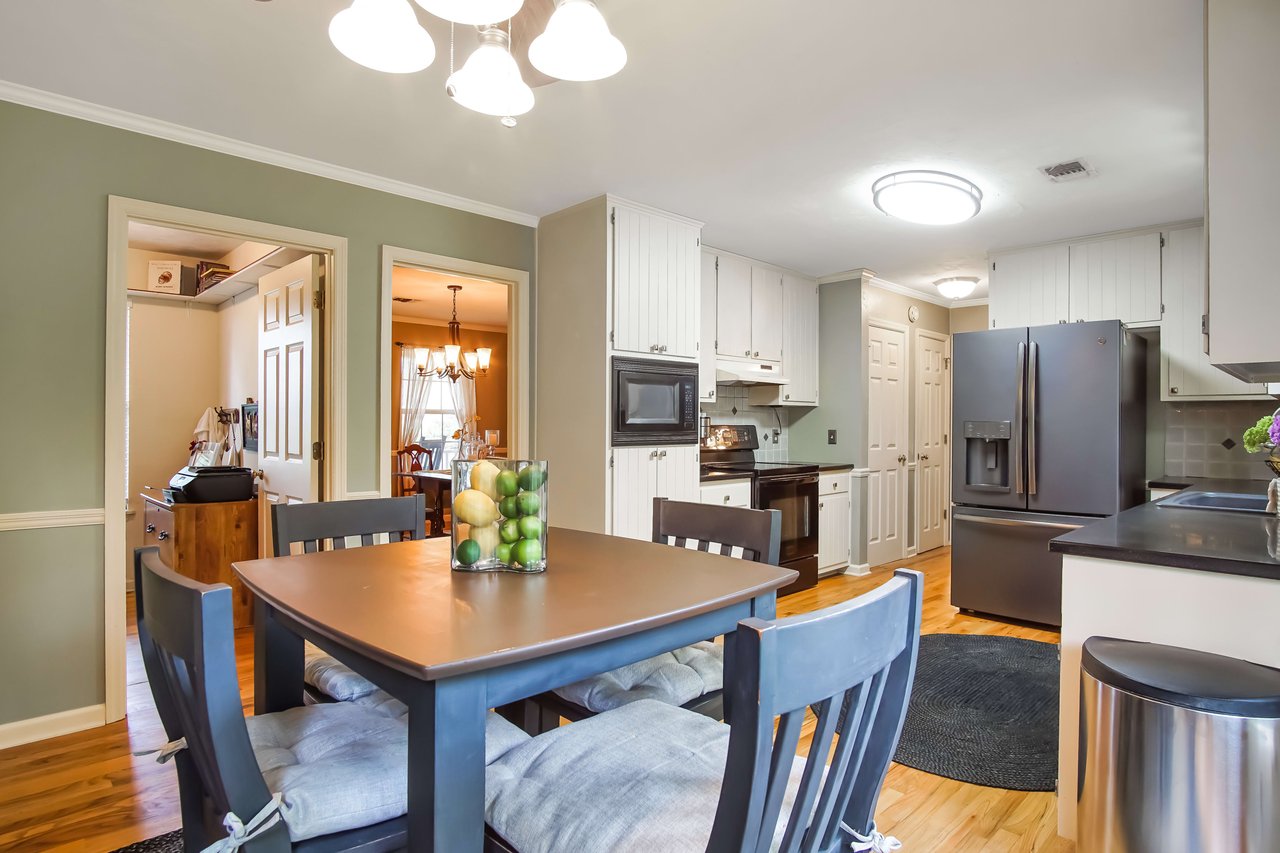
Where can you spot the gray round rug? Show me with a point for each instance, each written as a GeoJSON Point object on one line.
{"type": "Point", "coordinates": [984, 710]}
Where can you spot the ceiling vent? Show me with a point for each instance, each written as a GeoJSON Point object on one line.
{"type": "Point", "coordinates": [404, 300]}
{"type": "Point", "coordinates": [1072, 170]}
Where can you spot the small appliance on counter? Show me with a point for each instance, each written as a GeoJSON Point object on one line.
{"type": "Point", "coordinates": [211, 484]}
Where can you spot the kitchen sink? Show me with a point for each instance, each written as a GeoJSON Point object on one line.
{"type": "Point", "coordinates": [1225, 501]}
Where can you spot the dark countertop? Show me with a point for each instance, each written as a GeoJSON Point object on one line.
{"type": "Point", "coordinates": [828, 467]}
{"type": "Point", "coordinates": [722, 476]}
{"type": "Point", "coordinates": [1208, 540]}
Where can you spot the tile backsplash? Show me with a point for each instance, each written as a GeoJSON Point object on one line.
{"type": "Point", "coordinates": [1197, 436]}
{"type": "Point", "coordinates": [731, 397]}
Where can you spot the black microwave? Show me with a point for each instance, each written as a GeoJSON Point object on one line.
{"type": "Point", "coordinates": [654, 402]}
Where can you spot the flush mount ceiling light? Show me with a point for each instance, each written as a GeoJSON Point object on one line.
{"type": "Point", "coordinates": [477, 12]}
{"type": "Point", "coordinates": [489, 81]}
{"type": "Point", "coordinates": [383, 35]}
{"type": "Point", "coordinates": [577, 44]}
{"type": "Point", "coordinates": [956, 287]}
{"type": "Point", "coordinates": [926, 197]}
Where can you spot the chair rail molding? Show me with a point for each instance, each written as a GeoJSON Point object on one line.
{"type": "Point", "coordinates": [52, 518]}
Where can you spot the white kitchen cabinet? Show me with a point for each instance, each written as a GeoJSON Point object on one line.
{"type": "Point", "coordinates": [733, 306]}
{"type": "Point", "coordinates": [835, 521]}
{"type": "Point", "coordinates": [657, 299]}
{"type": "Point", "coordinates": [1185, 370]}
{"type": "Point", "coordinates": [641, 474]}
{"type": "Point", "coordinates": [1117, 278]}
{"type": "Point", "coordinates": [766, 314]}
{"type": "Point", "coordinates": [727, 493]}
{"type": "Point", "coordinates": [1030, 287]}
{"type": "Point", "coordinates": [799, 348]}
{"type": "Point", "coordinates": [707, 348]}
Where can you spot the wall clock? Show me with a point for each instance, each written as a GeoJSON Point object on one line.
{"type": "Point", "coordinates": [913, 313]}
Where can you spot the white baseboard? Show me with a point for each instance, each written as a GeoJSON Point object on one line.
{"type": "Point", "coordinates": [52, 725]}
{"type": "Point", "coordinates": [858, 569]}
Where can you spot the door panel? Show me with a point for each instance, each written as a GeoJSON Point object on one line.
{"type": "Point", "coordinates": [984, 377]}
{"type": "Point", "coordinates": [733, 306]}
{"type": "Point", "coordinates": [1073, 415]}
{"type": "Point", "coordinates": [1116, 279]}
{"type": "Point", "coordinates": [886, 442]}
{"type": "Point", "coordinates": [931, 452]}
{"type": "Point", "coordinates": [800, 340]}
{"type": "Point", "coordinates": [707, 350]}
{"type": "Point", "coordinates": [766, 314]}
{"type": "Point", "coordinates": [634, 487]}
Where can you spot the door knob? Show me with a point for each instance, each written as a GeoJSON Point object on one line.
{"type": "Point", "coordinates": [924, 457]}
{"type": "Point", "coordinates": [902, 459]}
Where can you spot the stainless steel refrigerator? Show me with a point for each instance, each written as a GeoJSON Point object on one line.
{"type": "Point", "coordinates": [1049, 431]}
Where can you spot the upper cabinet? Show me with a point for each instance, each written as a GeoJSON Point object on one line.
{"type": "Point", "coordinates": [733, 305]}
{"type": "Point", "coordinates": [799, 348]}
{"type": "Point", "coordinates": [707, 353]}
{"type": "Point", "coordinates": [1117, 278]}
{"type": "Point", "coordinates": [1185, 370]}
{"type": "Point", "coordinates": [656, 283]}
{"type": "Point", "coordinates": [766, 314]}
{"type": "Point", "coordinates": [1030, 287]}
{"type": "Point", "coordinates": [1242, 126]}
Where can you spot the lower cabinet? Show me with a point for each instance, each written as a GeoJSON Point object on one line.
{"type": "Point", "coordinates": [834, 523]}
{"type": "Point", "coordinates": [641, 474]}
{"type": "Point", "coordinates": [727, 493]}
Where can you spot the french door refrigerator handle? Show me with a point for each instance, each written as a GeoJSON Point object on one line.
{"type": "Point", "coordinates": [1020, 419]}
{"type": "Point", "coordinates": [1033, 385]}
{"type": "Point", "coordinates": [1011, 522]}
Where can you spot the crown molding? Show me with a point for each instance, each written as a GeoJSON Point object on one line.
{"type": "Point", "coordinates": [98, 114]}
{"type": "Point", "coordinates": [910, 293]}
{"type": "Point", "coordinates": [848, 275]}
{"type": "Point", "coordinates": [970, 303]}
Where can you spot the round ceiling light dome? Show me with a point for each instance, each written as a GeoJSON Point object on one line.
{"type": "Point", "coordinates": [489, 82]}
{"type": "Point", "coordinates": [383, 35]}
{"type": "Point", "coordinates": [477, 12]}
{"type": "Point", "coordinates": [927, 197]}
{"type": "Point", "coordinates": [577, 45]}
{"type": "Point", "coordinates": [957, 286]}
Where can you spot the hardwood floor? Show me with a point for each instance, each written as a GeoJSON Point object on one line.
{"type": "Point", "coordinates": [88, 792]}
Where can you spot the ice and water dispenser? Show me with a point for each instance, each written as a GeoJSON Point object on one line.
{"type": "Point", "coordinates": [987, 446]}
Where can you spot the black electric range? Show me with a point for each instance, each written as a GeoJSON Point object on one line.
{"type": "Point", "coordinates": [728, 452]}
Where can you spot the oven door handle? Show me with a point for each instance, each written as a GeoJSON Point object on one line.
{"type": "Point", "coordinates": [802, 479]}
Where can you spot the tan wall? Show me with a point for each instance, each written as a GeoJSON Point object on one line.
{"type": "Point", "coordinates": [971, 318]}
{"type": "Point", "coordinates": [491, 390]}
{"type": "Point", "coordinates": [238, 356]}
{"type": "Point", "coordinates": [886, 305]}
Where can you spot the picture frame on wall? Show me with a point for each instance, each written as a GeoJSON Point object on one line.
{"type": "Point", "coordinates": [249, 423]}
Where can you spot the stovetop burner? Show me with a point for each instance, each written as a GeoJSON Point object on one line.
{"type": "Point", "coordinates": [730, 450]}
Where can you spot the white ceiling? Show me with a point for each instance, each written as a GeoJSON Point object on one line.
{"type": "Point", "coordinates": [177, 241]}
{"type": "Point", "coordinates": [481, 303]}
{"type": "Point", "coordinates": [768, 120]}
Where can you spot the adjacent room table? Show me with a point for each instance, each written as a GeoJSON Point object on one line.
{"type": "Point", "coordinates": [437, 485]}
{"type": "Point", "coordinates": [453, 644]}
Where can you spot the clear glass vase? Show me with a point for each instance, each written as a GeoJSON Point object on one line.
{"type": "Point", "coordinates": [499, 515]}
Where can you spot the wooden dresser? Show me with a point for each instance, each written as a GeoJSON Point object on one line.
{"type": "Point", "coordinates": [201, 541]}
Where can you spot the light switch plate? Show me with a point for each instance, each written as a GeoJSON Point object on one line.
{"type": "Point", "coordinates": [831, 436]}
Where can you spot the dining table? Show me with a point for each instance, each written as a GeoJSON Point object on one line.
{"type": "Point", "coordinates": [437, 485]}
{"type": "Point", "coordinates": [453, 644]}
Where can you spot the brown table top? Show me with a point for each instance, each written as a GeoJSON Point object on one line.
{"type": "Point", "coordinates": [402, 605]}
{"type": "Point", "coordinates": [430, 475]}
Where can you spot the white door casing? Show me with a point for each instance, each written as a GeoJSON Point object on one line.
{"type": "Point", "coordinates": [287, 388]}
{"type": "Point", "coordinates": [886, 440]}
{"type": "Point", "coordinates": [931, 450]}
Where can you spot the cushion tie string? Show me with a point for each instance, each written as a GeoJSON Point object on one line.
{"type": "Point", "coordinates": [240, 833]}
{"type": "Point", "coordinates": [166, 752]}
{"type": "Point", "coordinates": [874, 841]}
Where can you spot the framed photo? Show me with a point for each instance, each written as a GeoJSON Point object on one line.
{"type": "Point", "coordinates": [249, 423]}
{"type": "Point", "coordinates": [164, 276]}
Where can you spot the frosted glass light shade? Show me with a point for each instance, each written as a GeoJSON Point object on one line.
{"type": "Point", "coordinates": [956, 287]}
{"type": "Point", "coordinates": [477, 12]}
{"type": "Point", "coordinates": [437, 360]}
{"type": "Point", "coordinates": [485, 353]}
{"type": "Point", "coordinates": [927, 198]}
{"type": "Point", "coordinates": [421, 359]}
{"type": "Point", "coordinates": [577, 44]}
{"type": "Point", "coordinates": [489, 82]}
{"type": "Point", "coordinates": [383, 35]}
{"type": "Point", "coordinates": [451, 354]}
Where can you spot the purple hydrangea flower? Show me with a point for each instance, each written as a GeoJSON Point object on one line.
{"type": "Point", "coordinates": [1275, 430]}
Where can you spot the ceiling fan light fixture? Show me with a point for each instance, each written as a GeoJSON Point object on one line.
{"type": "Point", "coordinates": [956, 287]}
{"type": "Point", "coordinates": [577, 45]}
{"type": "Point", "coordinates": [383, 35]}
{"type": "Point", "coordinates": [927, 197]}
{"type": "Point", "coordinates": [473, 12]}
{"type": "Point", "coordinates": [489, 81]}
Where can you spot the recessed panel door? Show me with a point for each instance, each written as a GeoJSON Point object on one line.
{"type": "Point", "coordinates": [931, 451]}
{"type": "Point", "coordinates": [886, 443]}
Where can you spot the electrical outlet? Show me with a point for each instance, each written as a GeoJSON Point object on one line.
{"type": "Point", "coordinates": [831, 436]}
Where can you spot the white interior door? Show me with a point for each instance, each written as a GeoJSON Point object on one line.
{"type": "Point", "coordinates": [887, 442]}
{"type": "Point", "coordinates": [931, 450]}
{"type": "Point", "coordinates": [289, 405]}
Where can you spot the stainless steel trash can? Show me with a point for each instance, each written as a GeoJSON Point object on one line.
{"type": "Point", "coordinates": [1179, 751]}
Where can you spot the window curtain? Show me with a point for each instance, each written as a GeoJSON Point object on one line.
{"type": "Point", "coordinates": [464, 402]}
{"type": "Point", "coordinates": [413, 398]}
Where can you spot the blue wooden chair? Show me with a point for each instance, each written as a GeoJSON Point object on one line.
{"type": "Point", "coordinates": [329, 526]}
{"type": "Point", "coordinates": [654, 777]}
{"type": "Point", "coordinates": [690, 677]}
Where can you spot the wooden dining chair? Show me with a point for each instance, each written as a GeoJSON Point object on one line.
{"type": "Point", "coordinates": [651, 776]}
{"type": "Point", "coordinates": [329, 525]}
{"type": "Point", "coordinates": [412, 457]}
{"type": "Point", "coordinates": [691, 677]}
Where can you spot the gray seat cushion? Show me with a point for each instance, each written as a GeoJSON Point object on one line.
{"type": "Point", "coordinates": [333, 679]}
{"type": "Point", "coordinates": [500, 735]}
{"type": "Point", "coordinates": [342, 765]}
{"type": "Point", "coordinates": [641, 779]}
{"type": "Point", "coordinates": [673, 677]}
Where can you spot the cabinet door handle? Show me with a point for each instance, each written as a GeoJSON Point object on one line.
{"type": "Point", "coordinates": [820, 504]}
{"type": "Point", "coordinates": [162, 535]}
{"type": "Point", "coordinates": [653, 454]}
{"type": "Point", "coordinates": [726, 498]}
{"type": "Point", "coordinates": [150, 528]}
{"type": "Point", "coordinates": [653, 347]}
{"type": "Point", "coordinates": [755, 354]}
{"type": "Point", "coordinates": [747, 353]}
{"type": "Point", "coordinates": [1173, 390]}
{"type": "Point", "coordinates": [662, 348]}
{"type": "Point", "coordinates": [662, 454]}
{"type": "Point", "coordinates": [786, 396]}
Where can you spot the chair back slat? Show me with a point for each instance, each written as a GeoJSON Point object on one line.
{"type": "Point", "coordinates": [330, 523]}
{"type": "Point", "coordinates": [860, 698]}
{"type": "Point", "coordinates": [719, 529]}
{"type": "Point", "coordinates": [187, 640]}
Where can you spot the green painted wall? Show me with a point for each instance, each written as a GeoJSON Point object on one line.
{"type": "Point", "coordinates": [55, 176]}
{"type": "Point", "coordinates": [840, 382]}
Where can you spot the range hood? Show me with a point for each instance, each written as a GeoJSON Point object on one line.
{"type": "Point", "coordinates": [748, 373]}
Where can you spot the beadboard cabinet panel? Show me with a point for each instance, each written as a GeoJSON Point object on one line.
{"type": "Point", "coordinates": [641, 474]}
{"type": "Point", "coordinates": [707, 346]}
{"type": "Point", "coordinates": [766, 314]}
{"type": "Point", "coordinates": [656, 294]}
{"type": "Point", "coordinates": [733, 306]}
{"type": "Point", "coordinates": [1030, 287]}
{"type": "Point", "coordinates": [1116, 279]}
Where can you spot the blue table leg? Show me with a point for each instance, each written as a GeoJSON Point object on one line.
{"type": "Point", "coordinates": [277, 663]}
{"type": "Point", "coordinates": [763, 607]}
{"type": "Point", "coordinates": [446, 766]}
